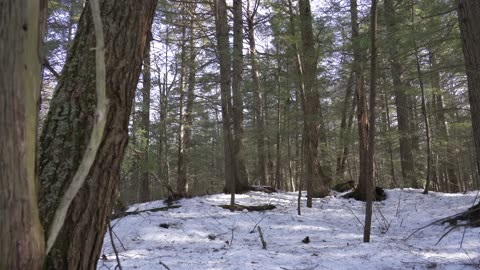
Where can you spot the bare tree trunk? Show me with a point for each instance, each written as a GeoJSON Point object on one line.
{"type": "Point", "coordinates": [361, 98]}
{"type": "Point", "coordinates": [389, 147]}
{"type": "Point", "coordinates": [187, 110]}
{"type": "Point", "coordinates": [241, 181]}
{"type": "Point", "coordinates": [469, 18]}
{"type": "Point", "coordinates": [225, 89]}
{"type": "Point", "coordinates": [192, 72]}
{"type": "Point", "coordinates": [424, 104]}
{"type": "Point", "coordinates": [371, 125]}
{"type": "Point", "coordinates": [442, 125]}
{"type": "Point", "coordinates": [70, 121]}
{"type": "Point", "coordinates": [278, 140]}
{"type": "Point", "coordinates": [181, 166]}
{"type": "Point", "coordinates": [316, 187]}
{"type": "Point", "coordinates": [258, 95]}
{"type": "Point", "coordinates": [401, 100]}
{"type": "Point", "coordinates": [345, 128]}
{"type": "Point", "coordinates": [145, 190]}
{"type": "Point", "coordinates": [21, 34]}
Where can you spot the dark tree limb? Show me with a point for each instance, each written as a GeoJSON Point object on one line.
{"type": "Point", "coordinates": [264, 244]}
{"type": "Point", "coordinates": [239, 207]}
{"type": "Point", "coordinates": [47, 64]}
{"type": "Point", "coordinates": [113, 246]}
{"type": "Point", "coordinates": [124, 214]}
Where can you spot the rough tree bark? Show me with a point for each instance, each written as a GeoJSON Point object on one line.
{"type": "Point", "coordinates": [257, 94]}
{"type": "Point", "coordinates": [234, 183]}
{"type": "Point", "coordinates": [316, 186]}
{"type": "Point", "coordinates": [469, 18]}
{"type": "Point", "coordinates": [221, 27]}
{"type": "Point", "coordinates": [68, 126]}
{"type": "Point", "coordinates": [361, 98]}
{"type": "Point", "coordinates": [22, 245]}
{"type": "Point", "coordinates": [401, 99]}
{"type": "Point", "coordinates": [241, 180]}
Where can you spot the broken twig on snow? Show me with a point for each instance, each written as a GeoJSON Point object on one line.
{"type": "Point", "coordinates": [264, 244]}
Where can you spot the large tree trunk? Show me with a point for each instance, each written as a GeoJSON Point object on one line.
{"type": "Point", "coordinates": [469, 17]}
{"type": "Point", "coordinates": [70, 121]}
{"type": "Point", "coordinates": [221, 28]}
{"type": "Point", "coordinates": [186, 118]}
{"type": "Point", "coordinates": [371, 125]}
{"type": "Point", "coordinates": [241, 180]}
{"type": "Point", "coordinates": [22, 245]}
{"type": "Point", "coordinates": [361, 98]}
{"type": "Point", "coordinates": [402, 100]}
{"type": "Point", "coordinates": [235, 180]}
{"type": "Point", "coordinates": [181, 164]}
{"type": "Point", "coordinates": [316, 186]}
{"type": "Point", "coordinates": [258, 96]}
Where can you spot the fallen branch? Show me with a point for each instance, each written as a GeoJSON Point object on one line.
{"type": "Point", "coordinates": [264, 244]}
{"type": "Point", "coordinates": [239, 207]}
{"type": "Point", "coordinates": [47, 64]}
{"type": "Point", "coordinates": [164, 265]}
{"type": "Point", "coordinates": [124, 214]}
{"type": "Point", "coordinates": [256, 224]}
{"type": "Point", "coordinates": [471, 215]}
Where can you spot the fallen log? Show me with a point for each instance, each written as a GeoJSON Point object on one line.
{"type": "Point", "coordinates": [124, 214]}
{"type": "Point", "coordinates": [239, 207]}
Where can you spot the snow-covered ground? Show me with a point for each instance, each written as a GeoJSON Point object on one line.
{"type": "Point", "coordinates": [202, 235]}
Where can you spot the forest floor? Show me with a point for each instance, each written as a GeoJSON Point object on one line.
{"type": "Point", "coordinates": [201, 235]}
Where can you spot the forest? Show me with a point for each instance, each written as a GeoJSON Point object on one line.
{"type": "Point", "coordinates": [116, 112]}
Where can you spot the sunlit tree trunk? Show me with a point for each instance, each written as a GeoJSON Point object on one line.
{"type": "Point", "coordinates": [69, 124]}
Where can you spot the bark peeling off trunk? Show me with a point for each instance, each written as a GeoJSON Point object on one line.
{"type": "Point", "coordinates": [69, 124]}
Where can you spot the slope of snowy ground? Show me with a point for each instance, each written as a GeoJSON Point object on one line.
{"type": "Point", "coordinates": [202, 235]}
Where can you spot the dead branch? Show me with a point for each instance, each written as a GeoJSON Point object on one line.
{"type": "Point", "coordinates": [264, 244]}
{"type": "Point", "coordinates": [239, 207]}
{"type": "Point", "coordinates": [113, 246]}
{"type": "Point", "coordinates": [164, 265]}
{"type": "Point", "coordinates": [123, 214]}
